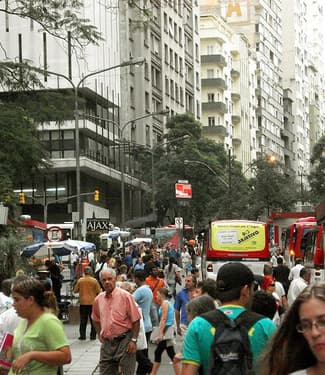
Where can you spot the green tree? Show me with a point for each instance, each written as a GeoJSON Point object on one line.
{"type": "Point", "coordinates": [212, 198]}
{"type": "Point", "coordinates": [270, 190]}
{"type": "Point", "coordinates": [316, 177]}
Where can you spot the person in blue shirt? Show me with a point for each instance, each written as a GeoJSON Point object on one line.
{"type": "Point", "coordinates": [143, 297]}
{"type": "Point", "coordinates": [166, 315]}
{"type": "Point", "coordinates": [235, 291]}
{"type": "Point", "coordinates": [182, 297]}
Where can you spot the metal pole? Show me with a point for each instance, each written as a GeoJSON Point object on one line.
{"type": "Point", "coordinates": [77, 151]}
{"type": "Point", "coordinates": [122, 128]}
{"type": "Point", "coordinates": [153, 183]}
{"type": "Point", "coordinates": [122, 187]}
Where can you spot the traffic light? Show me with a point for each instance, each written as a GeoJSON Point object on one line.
{"type": "Point", "coordinates": [96, 195]}
{"type": "Point", "coordinates": [22, 198]}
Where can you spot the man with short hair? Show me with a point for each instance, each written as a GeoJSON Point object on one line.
{"type": "Point", "coordinates": [235, 291]}
{"type": "Point", "coordinates": [117, 321]}
{"type": "Point", "coordinates": [298, 285]}
{"type": "Point", "coordinates": [88, 288]}
{"type": "Point", "coordinates": [295, 270]}
{"type": "Point", "coordinates": [155, 283]}
{"type": "Point", "coordinates": [182, 297]}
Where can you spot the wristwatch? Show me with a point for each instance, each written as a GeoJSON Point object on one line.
{"type": "Point", "coordinates": [134, 339]}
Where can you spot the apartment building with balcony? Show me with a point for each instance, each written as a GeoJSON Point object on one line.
{"type": "Point", "coordinates": [228, 84]}
{"type": "Point", "coordinates": [316, 71]}
{"type": "Point", "coordinates": [166, 34]}
{"type": "Point", "coordinates": [260, 22]}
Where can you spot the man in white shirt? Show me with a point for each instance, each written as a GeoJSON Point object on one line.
{"type": "Point", "coordinates": [295, 271]}
{"type": "Point", "coordinates": [298, 285]}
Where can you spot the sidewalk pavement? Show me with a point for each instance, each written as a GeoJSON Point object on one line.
{"type": "Point", "coordinates": [85, 354]}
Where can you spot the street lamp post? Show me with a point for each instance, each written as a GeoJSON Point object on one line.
{"type": "Point", "coordinates": [137, 61]}
{"type": "Point", "coordinates": [210, 169]}
{"type": "Point", "coordinates": [122, 128]}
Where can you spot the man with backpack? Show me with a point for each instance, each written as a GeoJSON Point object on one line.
{"type": "Point", "coordinates": [230, 339]}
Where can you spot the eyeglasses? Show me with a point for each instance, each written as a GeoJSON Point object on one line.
{"type": "Point", "coordinates": [272, 284]}
{"type": "Point", "coordinates": [307, 326]}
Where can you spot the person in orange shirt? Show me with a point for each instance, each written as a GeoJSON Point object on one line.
{"type": "Point", "coordinates": [155, 283]}
{"type": "Point", "coordinates": [88, 288]}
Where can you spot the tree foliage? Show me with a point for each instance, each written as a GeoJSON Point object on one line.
{"type": "Point", "coordinates": [212, 198]}
{"type": "Point", "coordinates": [316, 177]}
{"type": "Point", "coordinates": [59, 18]}
{"type": "Point", "coordinates": [270, 190]}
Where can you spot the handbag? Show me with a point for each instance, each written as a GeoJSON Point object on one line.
{"type": "Point", "coordinates": [168, 334]}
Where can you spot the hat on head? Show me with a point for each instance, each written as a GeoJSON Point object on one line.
{"type": "Point", "coordinates": [268, 280]}
{"type": "Point", "coordinates": [233, 275]}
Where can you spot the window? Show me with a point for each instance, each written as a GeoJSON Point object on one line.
{"type": "Point", "coordinates": [176, 61]}
{"type": "Point", "coordinates": [166, 53]}
{"type": "Point", "coordinates": [210, 50]}
{"type": "Point", "coordinates": [132, 101]}
{"type": "Point", "coordinates": [167, 85]}
{"type": "Point", "coordinates": [211, 121]}
{"type": "Point", "coordinates": [147, 101]}
{"type": "Point", "coordinates": [181, 96]}
{"type": "Point", "coordinates": [210, 97]}
{"type": "Point", "coordinates": [165, 23]}
{"type": "Point", "coordinates": [171, 58]}
{"type": "Point", "coordinates": [176, 93]}
{"type": "Point", "coordinates": [172, 89]}
{"type": "Point", "coordinates": [180, 36]}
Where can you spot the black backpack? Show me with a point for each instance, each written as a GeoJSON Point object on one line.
{"type": "Point", "coordinates": [230, 352]}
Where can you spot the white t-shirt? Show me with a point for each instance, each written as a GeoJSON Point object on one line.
{"type": "Point", "coordinates": [295, 288]}
{"type": "Point", "coordinates": [295, 272]}
{"type": "Point", "coordinates": [186, 258]}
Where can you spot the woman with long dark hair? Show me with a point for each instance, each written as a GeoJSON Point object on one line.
{"type": "Point", "coordinates": [298, 347]}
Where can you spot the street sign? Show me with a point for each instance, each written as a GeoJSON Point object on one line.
{"type": "Point", "coordinates": [183, 190]}
{"type": "Point", "coordinates": [54, 234]}
{"type": "Point", "coordinates": [178, 222]}
{"type": "Point", "coordinates": [94, 225]}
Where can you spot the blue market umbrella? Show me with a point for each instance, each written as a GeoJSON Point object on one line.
{"type": "Point", "coordinates": [43, 249]}
{"type": "Point", "coordinates": [79, 245]}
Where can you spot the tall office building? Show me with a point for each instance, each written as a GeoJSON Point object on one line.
{"type": "Point", "coordinates": [99, 114]}
{"type": "Point", "coordinates": [316, 71]}
{"type": "Point", "coordinates": [228, 86]}
{"type": "Point", "coordinates": [166, 34]}
{"type": "Point", "coordinates": [260, 22]}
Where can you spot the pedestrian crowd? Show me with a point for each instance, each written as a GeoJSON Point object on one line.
{"type": "Point", "coordinates": [240, 323]}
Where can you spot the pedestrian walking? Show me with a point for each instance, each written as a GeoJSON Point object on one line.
{"type": "Point", "coordinates": [165, 340]}
{"type": "Point", "coordinates": [117, 321]}
{"type": "Point", "coordinates": [182, 297]}
{"type": "Point", "coordinates": [298, 284]}
{"type": "Point", "coordinates": [298, 345]}
{"type": "Point", "coordinates": [40, 345]}
{"type": "Point", "coordinates": [88, 288]}
{"type": "Point", "coordinates": [155, 283]}
{"type": "Point", "coordinates": [295, 270]}
{"type": "Point", "coordinates": [172, 275]}
{"type": "Point", "coordinates": [143, 296]}
{"type": "Point", "coordinates": [235, 291]}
